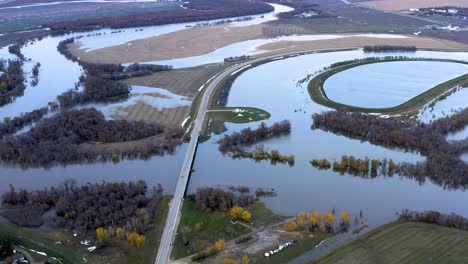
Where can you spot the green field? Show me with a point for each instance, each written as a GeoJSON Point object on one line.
{"type": "Point", "coordinates": [35, 22]}
{"type": "Point", "coordinates": [61, 244]}
{"type": "Point", "coordinates": [41, 241]}
{"type": "Point", "coordinates": [404, 242]}
{"type": "Point", "coordinates": [307, 242]}
{"type": "Point", "coordinates": [238, 114]}
{"type": "Point", "coordinates": [214, 225]}
{"type": "Point", "coordinates": [318, 94]}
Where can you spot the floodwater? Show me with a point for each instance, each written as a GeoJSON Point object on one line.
{"type": "Point", "coordinates": [112, 37]}
{"type": "Point", "coordinates": [273, 87]}
{"type": "Point", "coordinates": [56, 75]}
{"type": "Point", "coordinates": [388, 84]}
{"type": "Point", "coordinates": [447, 107]}
{"type": "Point", "coordinates": [251, 47]}
{"type": "Point", "coordinates": [155, 97]}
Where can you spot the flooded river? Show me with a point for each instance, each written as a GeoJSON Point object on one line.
{"type": "Point", "coordinates": [273, 87]}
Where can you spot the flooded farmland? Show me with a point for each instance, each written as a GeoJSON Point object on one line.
{"type": "Point", "coordinates": [272, 87]}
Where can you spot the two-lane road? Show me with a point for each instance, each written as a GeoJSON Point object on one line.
{"type": "Point", "coordinates": [176, 204]}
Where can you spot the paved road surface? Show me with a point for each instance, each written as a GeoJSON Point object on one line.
{"type": "Point", "coordinates": [176, 203]}
{"type": "Point", "coordinates": [175, 206]}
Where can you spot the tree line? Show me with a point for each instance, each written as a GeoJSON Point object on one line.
{"type": "Point", "coordinates": [118, 209]}
{"type": "Point", "coordinates": [210, 199]}
{"type": "Point", "coordinates": [11, 81]}
{"type": "Point", "coordinates": [57, 138]}
{"type": "Point", "coordinates": [197, 10]}
{"type": "Point", "coordinates": [442, 164]}
{"type": "Point", "coordinates": [435, 217]}
{"type": "Point", "coordinates": [230, 143]}
{"type": "Point", "coordinates": [318, 222]}
{"type": "Point", "coordinates": [389, 48]}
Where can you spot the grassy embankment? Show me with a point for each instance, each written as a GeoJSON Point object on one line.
{"type": "Point", "coordinates": [412, 106]}
{"type": "Point", "coordinates": [305, 242]}
{"type": "Point", "coordinates": [404, 242]}
{"type": "Point", "coordinates": [238, 114]}
{"type": "Point", "coordinates": [216, 225]}
{"type": "Point", "coordinates": [70, 251]}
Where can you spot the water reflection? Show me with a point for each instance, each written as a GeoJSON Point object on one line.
{"type": "Point", "coordinates": [273, 87]}
{"type": "Point", "coordinates": [394, 82]}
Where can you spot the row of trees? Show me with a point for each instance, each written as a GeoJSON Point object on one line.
{"type": "Point", "coordinates": [57, 138]}
{"type": "Point", "coordinates": [318, 222]}
{"type": "Point", "coordinates": [388, 48]}
{"type": "Point", "coordinates": [110, 209]}
{"type": "Point", "coordinates": [197, 10]}
{"type": "Point", "coordinates": [443, 164]}
{"type": "Point", "coordinates": [262, 153]}
{"type": "Point", "coordinates": [230, 143]}
{"type": "Point", "coordinates": [435, 217]}
{"type": "Point", "coordinates": [356, 166]}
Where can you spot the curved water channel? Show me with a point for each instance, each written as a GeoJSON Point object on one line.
{"type": "Point", "coordinates": [273, 87]}
{"type": "Point", "coordinates": [395, 82]}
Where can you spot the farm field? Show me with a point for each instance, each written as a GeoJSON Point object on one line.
{"type": "Point", "coordinates": [13, 19]}
{"type": "Point", "coordinates": [400, 5]}
{"type": "Point", "coordinates": [406, 242]}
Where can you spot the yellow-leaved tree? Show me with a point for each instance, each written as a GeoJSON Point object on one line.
{"type": "Point", "coordinates": [220, 244]}
{"type": "Point", "coordinates": [291, 225]}
{"type": "Point", "coordinates": [101, 234]}
{"type": "Point", "coordinates": [344, 218]}
{"type": "Point", "coordinates": [246, 216]}
{"type": "Point", "coordinates": [236, 212]}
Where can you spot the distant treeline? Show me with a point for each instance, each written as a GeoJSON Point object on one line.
{"type": "Point", "coordinates": [442, 165]}
{"type": "Point", "coordinates": [388, 48]}
{"type": "Point", "coordinates": [11, 81]}
{"type": "Point", "coordinates": [198, 10]}
{"type": "Point", "coordinates": [435, 217]}
{"type": "Point", "coordinates": [56, 139]}
{"type": "Point", "coordinates": [367, 60]}
{"type": "Point", "coordinates": [127, 206]}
